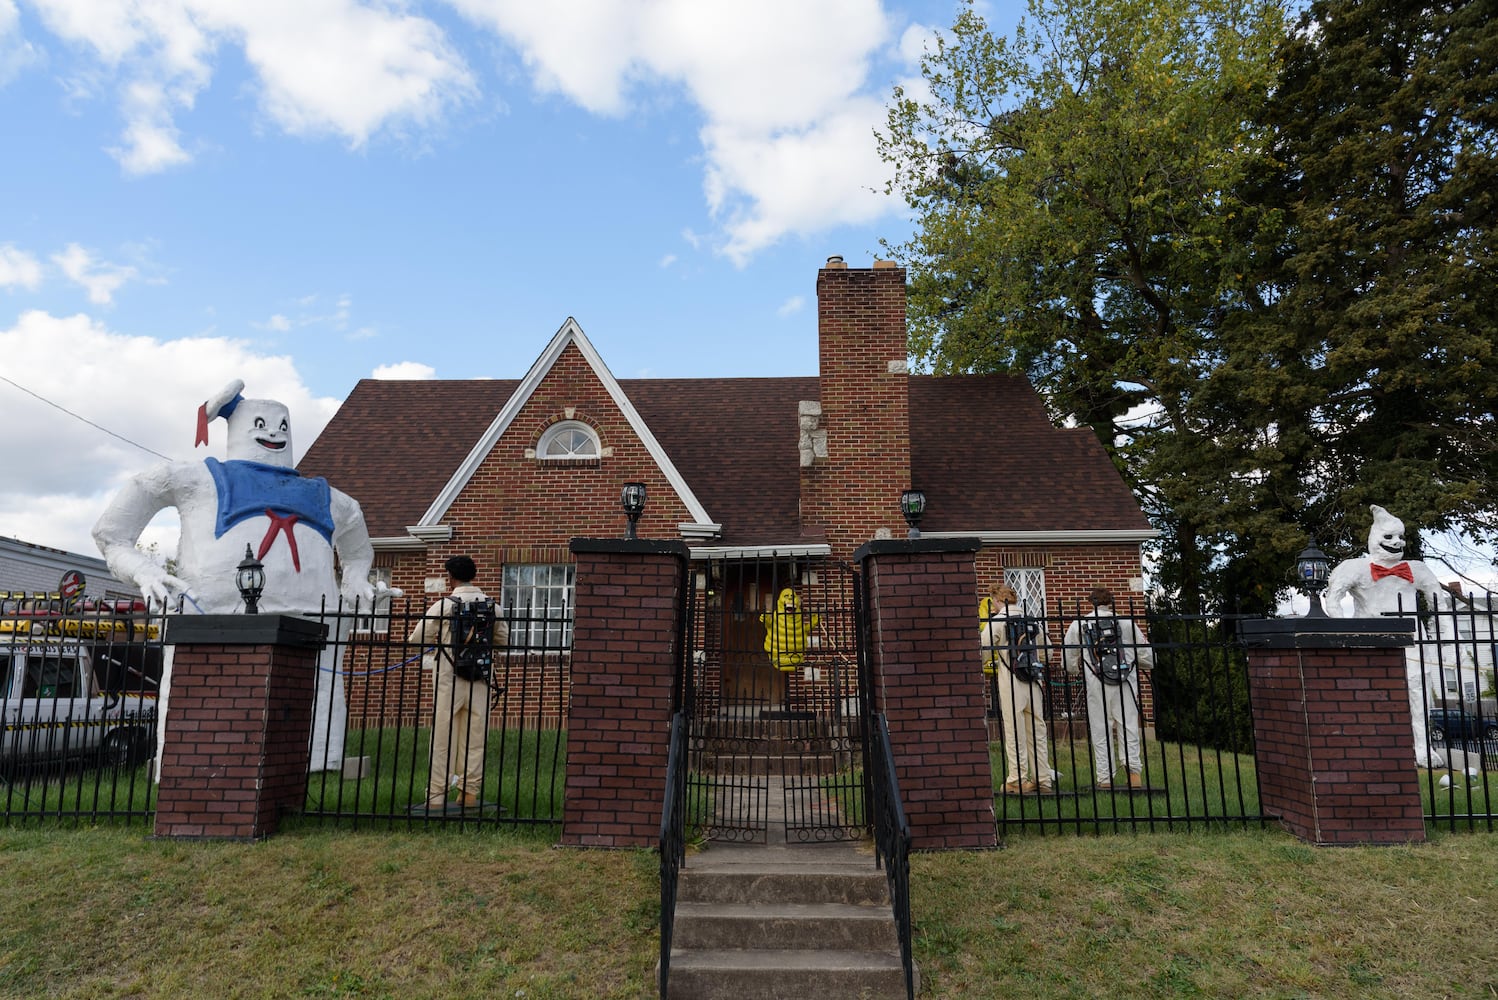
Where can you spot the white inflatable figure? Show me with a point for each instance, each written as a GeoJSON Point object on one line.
{"type": "Point", "coordinates": [1385, 582]}
{"type": "Point", "coordinates": [294, 525]}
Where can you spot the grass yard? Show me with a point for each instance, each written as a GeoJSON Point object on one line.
{"type": "Point", "coordinates": [1193, 788]}
{"type": "Point", "coordinates": [111, 913]}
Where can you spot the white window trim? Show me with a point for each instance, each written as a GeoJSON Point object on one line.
{"type": "Point", "coordinates": [561, 427]}
{"type": "Point", "coordinates": [561, 613]}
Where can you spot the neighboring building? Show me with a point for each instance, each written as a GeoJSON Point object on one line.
{"type": "Point", "coordinates": [737, 468]}
{"type": "Point", "coordinates": [26, 568]}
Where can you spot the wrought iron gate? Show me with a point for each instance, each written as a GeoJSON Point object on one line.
{"type": "Point", "coordinates": [776, 695]}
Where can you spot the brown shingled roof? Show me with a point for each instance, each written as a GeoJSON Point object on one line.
{"type": "Point", "coordinates": [982, 449]}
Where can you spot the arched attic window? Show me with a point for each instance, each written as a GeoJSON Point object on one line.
{"type": "Point", "coordinates": [568, 440]}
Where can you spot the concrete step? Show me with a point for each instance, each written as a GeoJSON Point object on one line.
{"type": "Point", "coordinates": [783, 927]}
{"type": "Point", "coordinates": [853, 882]}
{"type": "Point", "coordinates": [742, 974]}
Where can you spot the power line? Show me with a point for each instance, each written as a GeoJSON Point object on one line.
{"type": "Point", "coordinates": [75, 416]}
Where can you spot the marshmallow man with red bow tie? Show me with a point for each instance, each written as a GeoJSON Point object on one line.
{"type": "Point", "coordinates": [254, 501]}
{"type": "Point", "coordinates": [1387, 583]}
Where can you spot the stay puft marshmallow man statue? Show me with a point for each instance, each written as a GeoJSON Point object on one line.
{"type": "Point", "coordinates": [1385, 582]}
{"type": "Point", "coordinates": [293, 524]}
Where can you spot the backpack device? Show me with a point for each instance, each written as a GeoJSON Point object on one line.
{"type": "Point", "coordinates": [1023, 638]}
{"type": "Point", "coordinates": [472, 632]}
{"type": "Point", "coordinates": [1103, 639]}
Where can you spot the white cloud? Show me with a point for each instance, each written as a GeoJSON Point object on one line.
{"type": "Point", "coordinates": [16, 54]}
{"type": "Point", "coordinates": [323, 67]}
{"type": "Point", "coordinates": [668, 260]}
{"type": "Point", "coordinates": [116, 407]}
{"type": "Point", "coordinates": [762, 187]}
{"type": "Point", "coordinates": [405, 370]}
{"type": "Point", "coordinates": [18, 268]}
{"type": "Point", "coordinates": [791, 306]}
{"type": "Point", "coordinates": [783, 89]}
{"type": "Point", "coordinates": [787, 136]}
{"type": "Point", "coordinates": [277, 323]}
{"type": "Point", "coordinates": [99, 278]}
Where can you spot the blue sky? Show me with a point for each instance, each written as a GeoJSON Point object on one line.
{"type": "Point", "coordinates": [304, 193]}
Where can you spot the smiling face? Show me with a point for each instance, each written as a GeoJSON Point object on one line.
{"type": "Point", "coordinates": [1386, 537]}
{"type": "Point", "coordinates": [260, 431]}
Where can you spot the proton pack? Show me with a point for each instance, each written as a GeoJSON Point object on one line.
{"type": "Point", "coordinates": [472, 633]}
{"type": "Point", "coordinates": [1110, 662]}
{"type": "Point", "coordinates": [1023, 638]}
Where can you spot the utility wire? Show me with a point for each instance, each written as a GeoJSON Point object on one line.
{"type": "Point", "coordinates": [75, 416]}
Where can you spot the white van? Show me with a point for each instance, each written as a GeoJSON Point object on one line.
{"type": "Point", "coordinates": [56, 711]}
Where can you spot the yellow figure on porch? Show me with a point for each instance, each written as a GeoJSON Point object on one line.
{"type": "Point", "coordinates": [786, 629]}
{"type": "Point", "coordinates": [990, 649]}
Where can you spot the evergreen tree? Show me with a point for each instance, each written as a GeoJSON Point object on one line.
{"type": "Point", "coordinates": [1366, 356]}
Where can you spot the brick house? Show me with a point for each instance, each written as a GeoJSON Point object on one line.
{"type": "Point", "coordinates": [808, 468]}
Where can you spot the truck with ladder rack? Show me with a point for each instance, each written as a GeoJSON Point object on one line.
{"type": "Point", "coordinates": [78, 682]}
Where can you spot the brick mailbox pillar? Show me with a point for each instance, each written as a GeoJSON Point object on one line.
{"type": "Point", "coordinates": [238, 724]}
{"type": "Point", "coordinates": [626, 638]}
{"type": "Point", "coordinates": [1332, 740]}
{"type": "Point", "coordinates": [924, 651]}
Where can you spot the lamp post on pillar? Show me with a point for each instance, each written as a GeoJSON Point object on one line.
{"type": "Point", "coordinates": [250, 579]}
{"type": "Point", "coordinates": [632, 499]}
{"type": "Point", "coordinates": [1312, 568]}
{"type": "Point", "coordinates": [913, 505]}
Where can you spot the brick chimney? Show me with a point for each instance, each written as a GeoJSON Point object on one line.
{"type": "Point", "coordinates": [855, 447]}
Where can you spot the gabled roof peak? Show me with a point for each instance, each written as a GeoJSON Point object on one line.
{"type": "Point", "coordinates": [569, 334]}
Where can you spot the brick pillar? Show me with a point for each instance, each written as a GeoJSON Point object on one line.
{"type": "Point", "coordinates": [925, 660]}
{"type": "Point", "coordinates": [625, 642]}
{"type": "Point", "coordinates": [238, 724]}
{"type": "Point", "coordinates": [1332, 740]}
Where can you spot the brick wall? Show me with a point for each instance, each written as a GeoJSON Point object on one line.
{"type": "Point", "coordinates": [923, 655]}
{"type": "Point", "coordinates": [1332, 739]}
{"type": "Point", "coordinates": [855, 491]}
{"type": "Point", "coordinates": [624, 653]}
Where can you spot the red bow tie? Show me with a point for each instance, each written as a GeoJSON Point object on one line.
{"type": "Point", "coordinates": [1398, 569]}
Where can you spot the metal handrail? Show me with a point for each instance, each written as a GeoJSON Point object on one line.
{"type": "Point", "coordinates": [673, 839]}
{"type": "Point", "coordinates": [892, 843]}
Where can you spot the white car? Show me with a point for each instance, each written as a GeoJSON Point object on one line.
{"type": "Point", "coordinates": [55, 710]}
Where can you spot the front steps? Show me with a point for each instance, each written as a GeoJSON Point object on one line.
{"type": "Point", "coordinates": [784, 922]}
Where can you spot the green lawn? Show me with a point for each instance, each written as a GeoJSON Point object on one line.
{"type": "Point", "coordinates": [494, 912]}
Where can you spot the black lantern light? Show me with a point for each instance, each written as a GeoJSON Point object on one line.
{"type": "Point", "coordinates": [913, 505]}
{"type": "Point", "coordinates": [250, 579]}
{"type": "Point", "coordinates": [1312, 567]}
{"type": "Point", "coordinates": [632, 499]}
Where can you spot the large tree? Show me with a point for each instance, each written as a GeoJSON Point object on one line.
{"type": "Point", "coordinates": [1257, 263]}
{"type": "Point", "coordinates": [1366, 341]}
{"type": "Point", "coordinates": [1074, 187]}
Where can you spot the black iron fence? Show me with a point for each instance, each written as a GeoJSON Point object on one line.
{"type": "Point", "coordinates": [80, 695]}
{"type": "Point", "coordinates": [416, 751]}
{"type": "Point", "coordinates": [1134, 721]}
{"type": "Point", "coordinates": [78, 683]}
{"type": "Point", "coordinates": [81, 700]}
{"type": "Point", "coordinates": [1455, 707]}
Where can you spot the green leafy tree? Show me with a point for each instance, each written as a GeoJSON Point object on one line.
{"type": "Point", "coordinates": [1362, 349]}
{"type": "Point", "coordinates": [1072, 185]}
{"type": "Point", "coordinates": [1272, 309]}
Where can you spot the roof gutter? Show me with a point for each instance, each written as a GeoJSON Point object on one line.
{"type": "Point", "coordinates": [1099, 536]}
